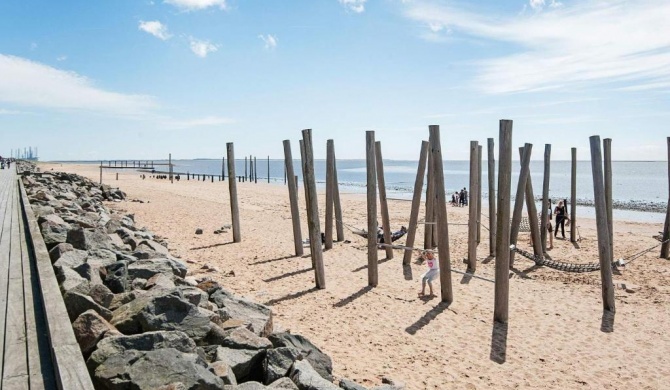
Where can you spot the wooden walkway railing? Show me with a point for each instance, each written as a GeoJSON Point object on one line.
{"type": "Point", "coordinates": [39, 350]}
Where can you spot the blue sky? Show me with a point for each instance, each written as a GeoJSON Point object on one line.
{"type": "Point", "coordinates": [135, 79]}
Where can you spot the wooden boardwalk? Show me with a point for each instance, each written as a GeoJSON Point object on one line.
{"type": "Point", "coordinates": [32, 333]}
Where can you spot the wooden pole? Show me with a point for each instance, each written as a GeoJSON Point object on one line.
{"type": "Point", "coordinates": [472, 208]}
{"type": "Point", "coordinates": [223, 168]}
{"type": "Point", "coordinates": [313, 212]}
{"type": "Point", "coordinates": [117, 176]}
{"type": "Point", "coordinates": [479, 193]}
{"type": "Point", "coordinates": [518, 201]}
{"type": "Point", "coordinates": [381, 183]}
{"type": "Point", "coordinates": [329, 194]}
{"type": "Point", "coordinates": [430, 202]}
{"type": "Point", "coordinates": [416, 203]}
{"type": "Point", "coordinates": [245, 167]}
{"type": "Point", "coordinates": [601, 225]}
{"type": "Point", "coordinates": [268, 169]}
{"type": "Point", "coordinates": [304, 178]}
{"type": "Point", "coordinates": [232, 187]}
{"type": "Point", "coordinates": [546, 207]}
{"type": "Point", "coordinates": [339, 227]}
{"type": "Point", "coordinates": [492, 197]}
{"type": "Point", "coordinates": [100, 172]}
{"type": "Point", "coordinates": [373, 274]}
{"type": "Point", "coordinates": [607, 155]}
{"type": "Point", "coordinates": [293, 198]}
{"type": "Point", "coordinates": [171, 176]}
{"type": "Point", "coordinates": [573, 197]}
{"type": "Point", "coordinates": [501, 300]}
{"type": "Point", "coordinates": [535, 235]}
{"type": "Point", "coordinates": [665, 247]}
{"type": "Point", "coordinates": [442, 226]}
{"type": "Point", "coordinates": [255, 170]}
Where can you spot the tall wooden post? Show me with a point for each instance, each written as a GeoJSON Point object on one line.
{"type": "Point", "coordinates": [232, 188]}
{"type": "Point", "coordinates": [223, 168]}
{"type": "Point", "coordinates": [313, 211]}
{"type": "Point", "coordinates": [473, 218]}
{"type": "Point", "coordinates": [430, 202]}
{"type": "Point", "coordinates": [546, 206]}
{"type": "Point", "coordinates": [532, 213]}
{"type": "Point", "coordinates": [339, 227]}
{"type": "Point", "coordinates": [479, 194]}
{"type": "Point", "coordinates": [441, 216]}
{"type": "Point", "coordinates": [293, 198]}
{"type": "Point", "coordinates": [329, 194]}
{"type": "Point", "coordinates": [245, 167]}
{"type": "Point", "coordinates": [665, 247]}
{"type": "Point", "coordinates": [381, 183]}
{"type": "Point", "coordinates": [268, 169]}
{"type": "Point", "coordinates": [607, 149]}
{"type": "Point", "coordinates": [373, 275]}
{"type": "Point", "coordinates": [171, 175]}
{"type": "Point", "coordinates": [492, 197]}
{"type": "Point", "coordinates": [255, 170]}
{"type": "Point", "coordinates": [100, 172]}
{"type": "Point", "coordinates": [518, 201]}
{"type": "Point", "coordinates": [601, 225]}
{"type": "Point", "coordinates": [304, 178]}
{"type": "Point", "coordinates": [416, 203]}
{"type": "Point", "coordinates": [573, 196]}
{"type": "Point", "coordinates": [501, 301]}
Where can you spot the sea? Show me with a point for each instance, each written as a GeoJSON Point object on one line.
{"type": "Point", "coordinates": [640, 188]}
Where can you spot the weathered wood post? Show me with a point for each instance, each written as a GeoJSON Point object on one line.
{"type": "Point", "coordinates": [117, 176]}
{"type": "Point", "coordinates": [330, 157]}
{"type": "Point", "coordinates": [442, 225]}
{"type": "Point", "coordinates": [339, 227]}
{"type": "Point", "coordinates": [381, 183]}
{"type": "Point", "coordinates": [304, 178]}
{"type": "Point", "coordinates": [313, 212]}
{"type": "Point", "coordinates": [518, 201]}
{"type": "Point", "coordinates": [293, 198]}
{"type": "Point", "coordinates": [601, 224]}
{"type": "Point", "coordinates": [223, 169]}
{"type": "Point", "coordinates": [100, 172]}
{"type": "Point", "coordinates": [268, 169]}
{"type": "Point", "coordinates": [472, 208]}
{"type": "Point", "coordinates": [416, 203]}
{"type": "Point", "coordinates": [373, 274]}
{"type": "Point", "coordinates": [532, 213]}
{"type": "Point", "coordinates": [492, 197]}
{"type": "Point", "coordinates": [665, 247]}
{"type": "Point", "coordinates": [479, 193]}
{"type": "Point", "coordinates": [232, 188]}
{"type": "Point", "coordinates": [501, 300]}
{"type": "Point", "coordinates": [430, 202]}
{"type": "Point", "coordinates": [255, 171]}
{"type": "Point", "coordinates": [573, 197]}
{"type": "Point", "coordinates": [607, 155]}
{"type": "Point", "coordinates": [171, 175]}
{"type": "Point", "coordinates": [546, 207]}
{"type": "Point", "coordinates": [245, 167]}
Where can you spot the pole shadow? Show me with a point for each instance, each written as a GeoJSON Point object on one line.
{"type": "Point", "coordinates": [353, 297]}
{"type": "Point", "coordinates": [211, 246]}
{"type": "Point", "coordinates": [288, 274]}
{"type": "Point", "coordinates": [427, 318]}
{"type": "Point", "coordinates": [607, 323]}
{"type": "Point", "coordinates": [499, 342]}
{"type": "Point", "coordinates": [488, 259]}
{"type": "Point", "coordinates": [361, 268]}
{"type": "Point", "coordinates": [407, 271]}
{"type": "Point", "coordinates": [289, 297]}
{"type": "Point", "coordinates": [466, 277]}
{"type": "Point", "coordinates": [275, 259]}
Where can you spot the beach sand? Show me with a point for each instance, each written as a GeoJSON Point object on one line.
{"type": "Point", "coordinates": [553, 339]}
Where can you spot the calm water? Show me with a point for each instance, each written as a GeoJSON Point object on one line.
{"type": "Point", "coordinates": [634, 182]}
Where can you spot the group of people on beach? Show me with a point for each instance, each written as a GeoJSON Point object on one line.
{"type": "Point", "coordinates": [5, 162]}
{"type": "Point", "coordinates": [460, 198]}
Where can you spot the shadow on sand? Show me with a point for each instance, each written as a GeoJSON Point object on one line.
{"type": "Point", "coordinates": [499, 342]}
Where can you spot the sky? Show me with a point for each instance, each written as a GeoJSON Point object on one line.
{"type": "Point", "coordinates": [138, 79]}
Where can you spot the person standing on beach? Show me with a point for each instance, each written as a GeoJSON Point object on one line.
{"type": "Point", "coordinates": [431, 274]}
{"type": "Point", "coordinates": [559, 211]}
{"type": "Point", "coordinates": [465, 196]}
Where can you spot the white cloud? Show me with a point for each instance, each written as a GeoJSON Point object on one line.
{"type": "Point", "coordinates": [202, 48]}
{"type": "Point", "coordinates": [28, 83]}
{"type": "Point", "coordinates": [357, 6]}
{"type": "Point", "coordinates": [155, 28]}
{"type": "Point", "coordinates": [536, 4]}
{"type": "Point", "coordinates": [10, 112]}
{"type": "Point", "coordinates": [616, 41]}
{"type": "Point", "coordinates": [270, 41]}
{"type": "Point", "coordinates": [175, 124]}
{"type": "Point", "coordinates": [61, 58]}
{"type": "Point", "coordinates": [195, 5]}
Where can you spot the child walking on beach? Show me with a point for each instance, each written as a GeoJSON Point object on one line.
{"type": "Point", "coordinates": [431, 274]}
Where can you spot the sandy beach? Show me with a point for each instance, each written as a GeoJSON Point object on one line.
{"type": "Point", "coordinates": [554, 337]}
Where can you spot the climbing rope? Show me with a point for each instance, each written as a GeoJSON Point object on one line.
{"type": "Point", "coordinates": [557, 265]}
{"type": "Point", "coordinates": [630, 258]}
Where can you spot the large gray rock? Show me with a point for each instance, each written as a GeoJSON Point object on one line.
{"type": "Point", "coordinates": [102, 295]}
{"type": "Point", "coordinates": [160, 280]}
{"type": "Point", "coordinates": [89, 328]}
{"type": "Point", "coordinates": [126, 317]}
{"type": "Point", "coordinates": [70, 280]}
{"type": "Point", "coordinates": [89, 239]}
{"type": "Point", "coordinates": [224, 372]}
{"type": "Point", "coordinates": [127, 236]}
{"type": "Point", "coordinates": [161, 368]}
{"type": "Point", "coordinates": [318, 360]}
{"type": "Point", "coordinates": [76, 304]}
{"type": "Point", "coordinates": [278, 362]}
{"type": "Point", "coordinates": [55, 218]}
{"type": "Point", "coordinates": [250, 386]}
{"type": "Point", "coordinates": [115, 276]}
{"type": "Point", "coordinates": [145, 269]}
{"type": "Point", "coordinates": [306, 378]}
{"type": "Point", "coordinates": [70, 259]}
{"type": "Point", "coordinates": [242, 338]}
{"type": "Point", "coordinates": [41, 211]}
{"type": "Point", "coordinates": [231, 307]}
{"type": "Point", "coordinates": [56, 252]}
{"type": "Point", "coordinates": [54, 233]}
{"type": "Point", "coordinates": [347, 384]}
{"type": "Point", "coordinates": [245, 363]}
{"type": "Point", "coordinates": [173, 312]}
{"type": "Point", "coordinates": [121, 299]}
{"type": "Point", "coordinates": [283, 384]}
{"type": "Point", "coordinates": [194, 295]}
{"type": "Point", "coordinates": [77, 238]}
